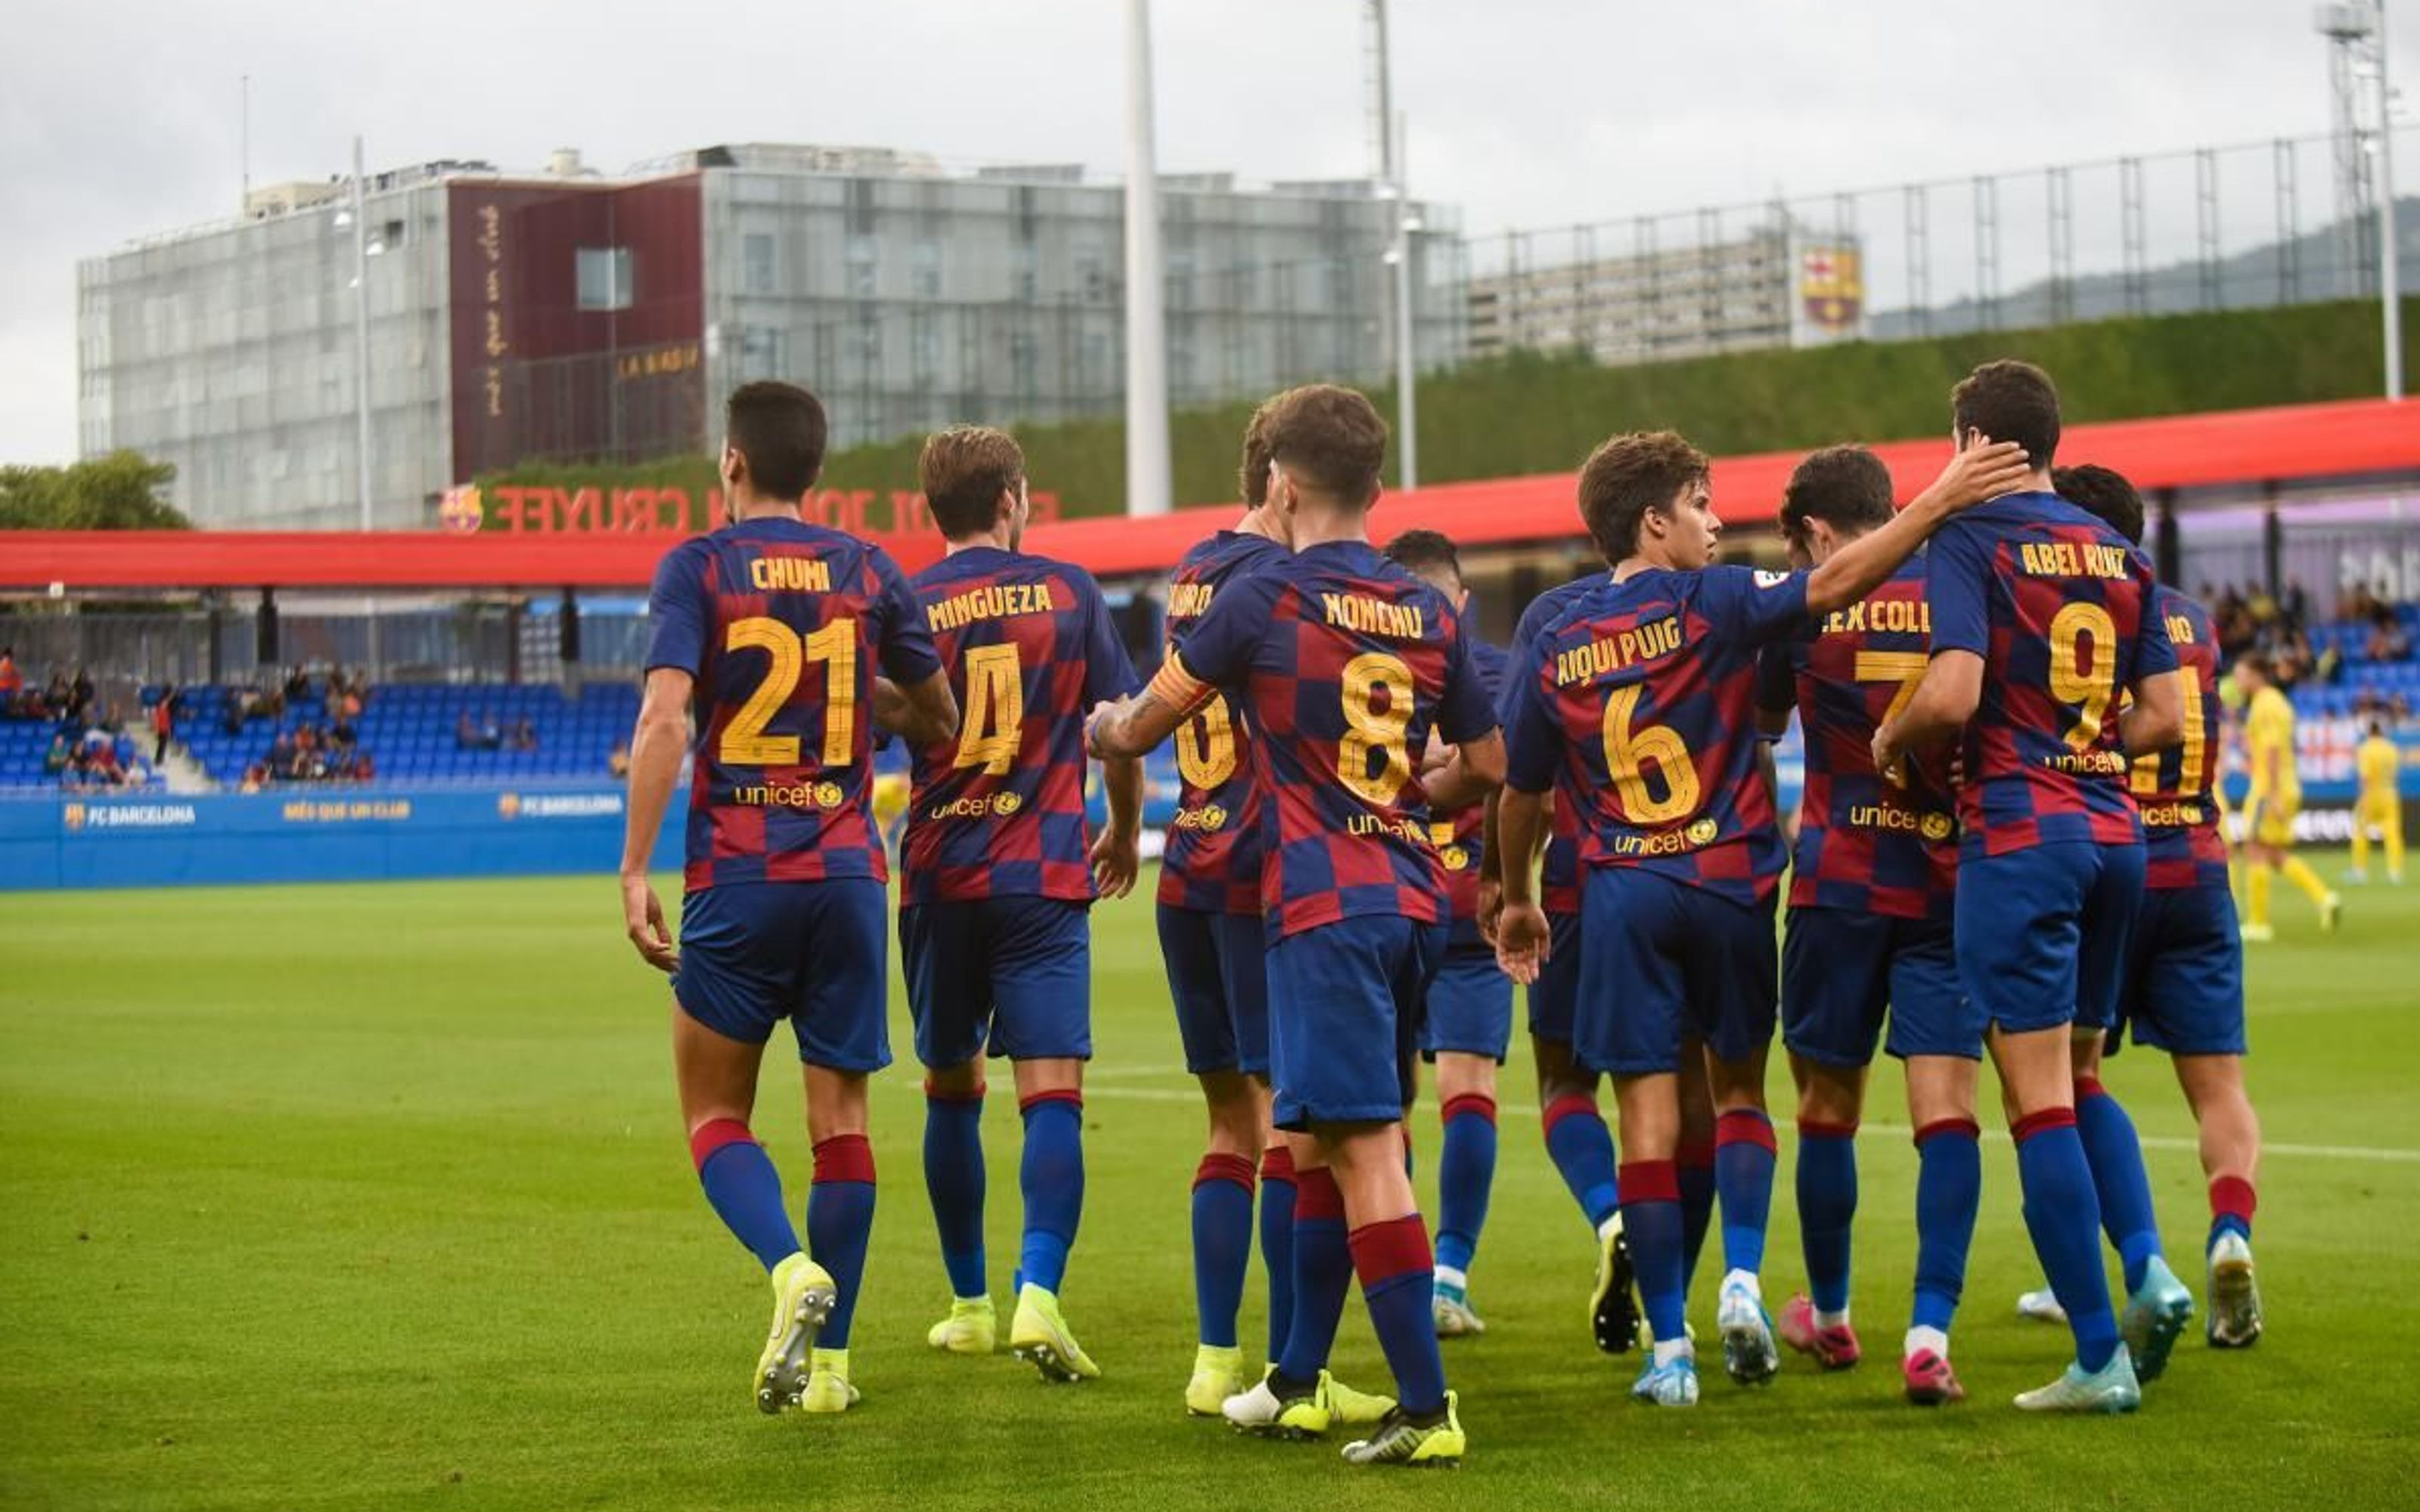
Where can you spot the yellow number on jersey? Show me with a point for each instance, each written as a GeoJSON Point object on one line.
{"type": "Point", "coordinates": [1628, 753]}
{"type": "Point", "coordinates": [2146, 778]}
{"type": "Point", "coordinates": [1375, 728]}
{"type": "Point", "coordinates": [995, 719]}
{"type": "Point", "coordinates": [1906, 669]}
{"type": "Point", "coordinates": [2073, 683]}
{"type": "Point", "coordinates": [744, 740]}
{"type": "Point", "coordinates": [1206, 746]}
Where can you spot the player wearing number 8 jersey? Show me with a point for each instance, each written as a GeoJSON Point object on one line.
{"type": "Point", "coordinates": [2042, 618]}
{"type": "Point", "coordinates": [998, 878]}
{"type": "Point", "coordinates": [1638, 707]}
{"type": "Point", "coordinates": [1344, 663]}
{"type": "Point", "coordinates": [776, 630]}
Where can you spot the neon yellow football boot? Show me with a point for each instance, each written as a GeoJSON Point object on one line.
{"type": "Point", "coordinates": [827, 1385]}
{"type": "Point", "coordinates": [1038, 1335]}
{"type": "Point", "coordinates": [804, 1295]}
{"type": "Point", "coordinates": [971, 1328]}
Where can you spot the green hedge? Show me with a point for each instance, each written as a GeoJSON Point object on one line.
{"type": "Point", "coordinates": [1535, 412]}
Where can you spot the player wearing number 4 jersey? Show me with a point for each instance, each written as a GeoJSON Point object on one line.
{"type": "Point", "coordinates": [2042, 618]}
{"type": "Point", "coordinates": [775, 630]}
{"type": "Point", "coordinates": [997, 879]}
{"type": "Point", "coordinates": [1344, 663]}
{"type": "Point", "coordinates": [1638, 707]}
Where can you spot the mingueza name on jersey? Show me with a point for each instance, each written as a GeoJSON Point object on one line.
{"type": "Point", "coordinates": [790, 575]}
{"type": "Point", "coordinates": [1610, 653]}
{"type": "Point", "coordinates": [789, 795]}
{"type": "Point", "coordinates": [2072, 559]}
{"type": "Point", "coordinates": [993, 601]}
{"type": "Point", "coordinates": [1931, 825]}
{"type": "Point", "coordinates": [2088, 763]}
{"type": "Point", "coordinates": [1375, 616]}
{"type": "Point", "coordinates": [1370, 823]}
{"type": "Point", "coordinates": [2180, 815]}
{"type": "Point", "coordinates": [1881, 616]}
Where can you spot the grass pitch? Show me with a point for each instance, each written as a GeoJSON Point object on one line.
{"type": "Point", "coordinates": [375, 1196]}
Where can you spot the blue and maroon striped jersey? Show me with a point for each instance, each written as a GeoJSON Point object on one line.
{"type": "Point", "coordinates": [1638, 708]}
{"type": "Point", "coordinates": [1865, 844]}
{"type": "Point", "coordinates": [998, 813]}
{"type": "Point", "coordinates": [2059, 608]}
{"type": "Point", "coordinates": [1343, 662]}
{"type": "Point", "coordinates": [2181, 836]}
{"type": "Point", "coordinates": [1559, 875]}
{"type": "Point", "coordinates": [1460, 834]}
{"type": "Point", "coordinates": [1213, 862]}
{"type": "Point", "coordinates": [782, 624]}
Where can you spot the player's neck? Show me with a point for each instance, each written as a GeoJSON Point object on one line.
{"type": "Point", "coordinates": [1319, 524]}
{"type": "Point", "coordinates": [752, 508]}
{"type": "Point", "coordinates": [1647, 560]}
{"type": "Point", "coordinates": [1256, 522]}
{"type": "Point", "coordinates": [996, 540]}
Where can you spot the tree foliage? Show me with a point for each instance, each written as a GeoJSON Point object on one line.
{"type": "Point", "coordinates": [117, 492]}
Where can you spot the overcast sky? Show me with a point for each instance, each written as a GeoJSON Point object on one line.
{"type": "Point", "coordinates": [118, 120]}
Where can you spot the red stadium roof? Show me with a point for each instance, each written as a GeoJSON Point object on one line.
{"type": "Point", "coordinates": [2247, 446]}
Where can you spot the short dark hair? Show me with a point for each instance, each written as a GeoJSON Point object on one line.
{"type": "Point", "coordinates": [1629, 475]}
{"type": "Point", "coordinates": [2376, 725]}
{"type": "Point", "coordinates": [2258, 661]}
{"type": "Point", "coordinates": [2009, 401]}
{"type": "Point", "coordinates": [963, 470]}
{"type": "Point", "coordinates": [1421, 551]}
{"type": "Point", "coordinates": [1253, 472]}
{"type": "Point", "coordinates": [1845, 487]}
{"type": "Point", "coordinates": [780, 428]}
{"type": "Point", "coordinates": [1332, 437]}
{"type": "Point", "coordinates": [2103, 494]}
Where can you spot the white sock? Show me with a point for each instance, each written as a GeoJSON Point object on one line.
{"type": "Point", "coordinates": [1667, 1350]}
{"type": "Point", "coordinates": [1611, 1226]}
{"type": "Point", "coordinates": [1920, 1339]}
{"type": "Point", "coordinates": [1825, 1319]}
{"type": "Point", "coordinates": [1744, 1278]}
{"type": "Point", "coordinates": [1448, 1276]}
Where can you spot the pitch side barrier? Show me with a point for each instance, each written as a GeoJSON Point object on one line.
{"type": "Point", "coordinates": [316, 834]}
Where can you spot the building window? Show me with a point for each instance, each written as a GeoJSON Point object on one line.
{"type": "Point", "coordinates": [1023, 284]}
{"type": "Point", "coordinates": [926, 269]}
{"type": "Point", "coordinates": [604, 278]}
{"type": "Point", "coordinates": [862, 267]}
{"type": "Point", "coordinates": [756, 262]}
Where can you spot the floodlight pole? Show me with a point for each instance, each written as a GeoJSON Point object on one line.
{"type": "Point", "coordinates": [1148, 483]}
{"type": "Point", "coordinates": [362, 373]}
{"type": "Point", "coordinates": [2389, 272]}
{"type": "Point", "coordinates": [1407, 422]}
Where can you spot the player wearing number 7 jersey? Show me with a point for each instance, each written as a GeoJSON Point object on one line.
{"type": "Point", "coordinates": [998, 880]}
{"type": "Point", "coordinates": [2042, 618]}
{"type": "Point", "coordinates": [1343, 662]}
{"type": "Point", "coordinates": [775, 630]}
{"type": "Point", "coordinates": [1637, 707]}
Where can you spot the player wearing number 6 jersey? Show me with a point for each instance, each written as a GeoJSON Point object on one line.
{"type": "Point", "coordinates": [1638, 707]}
{"type": "Point", "coordinates": [775, 629]}
{"type": "Point", "coordinates": [2042, 618]}
{"type": "Point", "coordinates": [1343, 662]}
{"type": "Point", "coordinates": [998, 878]}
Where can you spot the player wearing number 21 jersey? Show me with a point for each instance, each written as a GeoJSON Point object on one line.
{"type": "Point", "coordinates": [1638, 707]}
{"type": "Point", "coordinates": [1343, 663]}
{"type": "Point", "coordinates": [776, 630]}
{"type": "Point", "coordinates": [997, 879]}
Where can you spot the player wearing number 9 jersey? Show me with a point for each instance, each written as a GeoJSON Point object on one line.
{"type": "Point", "coordinates": [775, 629]}
{"type": "Point", "coordinates": [1638, 707]}
{"type": "Point", "coordinates": [999, 878]}
{"type": "Point", "coordinates": [2042, 618]}
{"type": "Point", "coordinates": [1344, 663]}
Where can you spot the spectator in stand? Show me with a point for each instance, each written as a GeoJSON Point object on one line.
{"type": "Point", "coordinates": [13, 681]}
{"type": "Point", "coordinates": [297, 685]}
{"type": "Point", "coordinates": [57, 696]}
{"type": "Point", "coordinates": [62, 751]}
{"type": "Point", "coordinates": [163, 723]}
{"type": "Point", "coordinates": [281, 756]}
{"type": "Point", "coordinates": [524, 736]}
{"type": "Point", "coordinates": [254, 776]}
{"type": "Point", "coordinates": [2387, 641]}
{"type": "Point", "coordinates": [2296, 608]}
{"type": "Point", "coordinates": [2358, 604]}
{"type": "Point", "coordinates": [365, 770]}
{"type": "Point", "coordinates": [617, 761]}
{"type": "Point", "coordinates": [80, 695]}
{"type": "Point", "coordinates": [483, 735]}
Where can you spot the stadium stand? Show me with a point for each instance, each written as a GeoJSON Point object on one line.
{"type": "Point", "coordinates": [410, 731]}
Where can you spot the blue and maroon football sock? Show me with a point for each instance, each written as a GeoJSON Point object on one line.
{"type": "Point", "coordinates": [2063, 1215]}
{"type": "Point", "coordinates": [1827, 1208]}
{"type": "Point", "coordinates": [1222, 1245]}
{"type": "Point", "coordinates": [1948, 1189]}
{"type": "Point", "coordinates": [1277, 1242]}
{"type": "Point", "coordinates": [1465, 1171]}
{"type": "Point", "coordinates": [1651, 1220]}
{"type": "Point", "coordinates": [2232, 1204]}
{"type": "Point", "coordinates": [2115, 1152]}
{"type": "Point", "coordinates": [953, 1179]}
{"type": "Point", "coordinates": [1694, 1174]}
{"type": "Point", "coordinates": [1323, 1276]}
{"type": "Point", "coordinates": [1052, 1178]}
{"type": "Point", "coordinates": [1393, 1261]}
{"type": "Point", "coordinates": [1581, 1147]}
{"type": "Point", "coordinates": [1743, 1164]}
{"type": "Point", "coordinates": [744, 1189]}
{"type": "Point", "coordinates": [840, 1220]}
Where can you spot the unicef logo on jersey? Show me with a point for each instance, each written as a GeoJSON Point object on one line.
{"type": "Point", "coordinates": [1454, 858]}
{"type": "Point", "coordinates": [1937, 826]}
{"type": "Point", "coordinates": [1006, 804]}
{"type": "Point", "coordinates": [1703, 832]}
{"type": "Point", "coordinates": [1208, 819]}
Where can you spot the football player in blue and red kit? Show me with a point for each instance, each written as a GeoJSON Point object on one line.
{"type": "Point", "coordinates": [997, 879]}
{"type": "Point", "coordinates": [1638, 707]}
{"type": "Point", "coordinates": [772, 632]}
{"type": "Point", "coordinates": [1873, 878]}
{"type": "Point", "coordinates": [2043, 618]}
{"type": "Point", "coordinates": [1344, 663]}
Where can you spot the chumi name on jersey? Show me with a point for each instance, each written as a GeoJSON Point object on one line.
{"type": "Point", "coordinates": [1375, 616]}
{"type": "Point", "coordinates": [1188, 601]}
{"type": "Point", "coordinates": [993, 601]}
{"type": "Point", "coordinates": [2072, 559]}
{"type": "Point", "coordinates": [1610, 653]}
{"type": "Point", "coordinates": [1882, 616]}
{"type": "Point", "coordinates": [790, 575]}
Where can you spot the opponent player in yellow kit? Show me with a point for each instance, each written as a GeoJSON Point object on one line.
{"type": "Point", "coordinates": [2381, 804]}
{"type": "Point", "coordinates": [2276, 795]}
